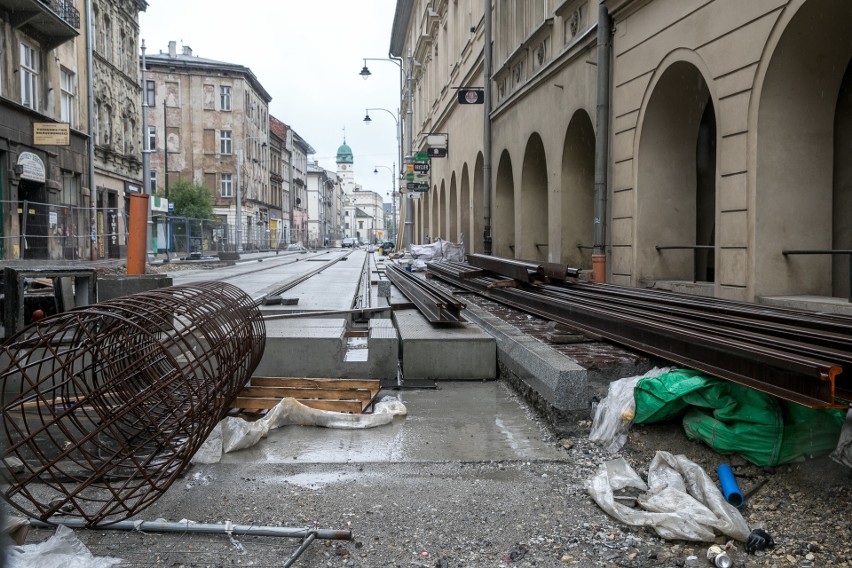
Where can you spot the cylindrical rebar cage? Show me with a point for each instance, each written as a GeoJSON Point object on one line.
{"type": "Point", "coordinates": [104, 405]}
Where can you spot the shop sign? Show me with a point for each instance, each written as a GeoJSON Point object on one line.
{"type": "Point", "coordinates": [51, 134]}
{"type": "Point", "coordinates": [33, 167]}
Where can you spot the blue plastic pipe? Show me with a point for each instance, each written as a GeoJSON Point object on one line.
{"type": "Point", "coordinates": [730, 489]}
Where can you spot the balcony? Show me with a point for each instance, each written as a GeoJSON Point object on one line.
{"type": "Point", "coordinates": [51, 22]}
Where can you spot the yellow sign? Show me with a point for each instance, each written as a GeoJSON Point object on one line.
{"type": "Point", "coordinates": [379, 233]}
{"type": "Point", "coordinates": [51, 134]}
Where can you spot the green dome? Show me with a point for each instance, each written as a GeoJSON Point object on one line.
{"type": "Point", "coordinates": [344, 154]}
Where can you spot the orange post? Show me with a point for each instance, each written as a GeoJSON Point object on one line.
{"type": "Point", "coordinates": [137, 233]}
{"type": "Point", "coordinates": [599, 267]}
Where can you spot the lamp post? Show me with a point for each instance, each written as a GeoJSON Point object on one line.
{"type": "Point", "coordinates": [395, 116]}
{"type": "Point", "coordinates": [238, 225]}
{"type": "Point", "coordinates": [392, 195]}
{"type": "Point", "coordinates": [406, 90]}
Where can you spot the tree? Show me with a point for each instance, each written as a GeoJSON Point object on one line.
{"type": "Point", "coordinates": [191, 200]}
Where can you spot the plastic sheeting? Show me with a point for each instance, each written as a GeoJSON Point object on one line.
{"type": "Point", "coordinates": [680, 501]}
{"type": "Point", "coordinates": [732, 418]}
{"type": "Point", "coordinates": [232, 433]}
{"type": "Point", "coordinates": [62, 550]}
{"type": "Point", "coordinates": [843, 453]}
{"type": "Point", "coordinates": [438, 251]}
{"type": "Point", "coordinates": [614, 414]}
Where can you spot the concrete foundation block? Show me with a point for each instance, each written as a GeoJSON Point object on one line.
{"type": "Point", "coordinates": [110, 287]}
{"type": "Point", "coordinates": [303, 347]}
{"type": "Point", "coordinates": [454, 353]}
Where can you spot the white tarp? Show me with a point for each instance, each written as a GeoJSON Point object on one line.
{"type": "Point", "coordinates": [439, 251]}
{"type": "Point", "coordinates": [680, 501]}
{"type": "Point", "coordinates": [232, 433]}
{"type": "Point", "coordinates": [62, 550]}
{"type": "Point", "coordinates": [843, 453]}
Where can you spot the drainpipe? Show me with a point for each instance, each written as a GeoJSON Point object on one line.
{"type": "Point", "coordinates": [602, 142]}
{"type": "Point", "coordinates": [486, 136]}
{"type": "Point", "coordinates": [90, 91]}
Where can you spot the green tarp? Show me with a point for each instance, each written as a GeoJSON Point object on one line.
{"type": "Point", "coordinates": [733, 419]}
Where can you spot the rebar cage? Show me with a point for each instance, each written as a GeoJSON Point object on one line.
{"type": "Point", "coordinates": [105, 405]}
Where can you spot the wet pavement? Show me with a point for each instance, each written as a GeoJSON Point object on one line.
{"type": "Point", "coordinates": [458, 421]}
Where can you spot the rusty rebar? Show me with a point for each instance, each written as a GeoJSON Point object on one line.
{"type": "Point", "coordinates": [104, 406]}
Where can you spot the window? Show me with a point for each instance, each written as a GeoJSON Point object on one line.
{"type": "Point", "coordinates": [67, 88]}
{"type": "Point", "coordinates": [225, 142]}
{"type": "Point", "coordinates": [151, 93]}
{"type": "Point", "coordinates": [152, 138]}
{"type": "Point", "coordinates": [107, 39]}
{"type": "Point", "coordinates": [226, 185]}
{"type": "Point", "coordinates": [153, 189]}
{"type": "Point", "coordinates": [208, 141]}
{"type": "Point", "coordinates": [97, 121]}
{"type": "Point", "coordinates": [29, 76]}
{"type": "Point", "coordinates": [224, 97]}
{"type": "Point", "coordinates": [121, 43]}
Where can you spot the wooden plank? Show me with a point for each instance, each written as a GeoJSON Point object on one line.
{"type": "Point", "coordinates": [324, 394]}
{"type": "Point", "coordinates": [294, 382]}
{"type": "Point", "coordinates": [353, 406]}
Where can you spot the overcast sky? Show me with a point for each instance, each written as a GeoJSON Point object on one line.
{"type": "Point", "coordinates": [307, 55]}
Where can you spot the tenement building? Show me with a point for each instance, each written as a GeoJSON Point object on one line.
{"type": "Point", "coordinates": [208, 123]}
{"type": "Point", "coordinates": [695, 145]}
{"type": "Point", "coordinates": [51, 208]}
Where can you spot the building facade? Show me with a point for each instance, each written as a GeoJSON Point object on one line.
{"type": "Point", "coordinates": [299, 187]}
{"type": "Point", "coordinates": [708, 159]}
{"type": "Point", "coordinates": [208, 123]}
{"type": "Point", "coordinates": [50, 210]}
{"type": "Point", "coordinates": [363, 215]}
{"type": "Point", "coordinates": [117, 119]}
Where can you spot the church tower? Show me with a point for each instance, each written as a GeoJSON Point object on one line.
{"type": "Point", "coordinates": [345, 168]}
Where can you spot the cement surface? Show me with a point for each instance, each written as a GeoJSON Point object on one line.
{"type": "Point", "coordinates": [461, 421]}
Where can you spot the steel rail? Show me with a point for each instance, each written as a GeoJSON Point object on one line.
{"type": "Point", "coordinates": [721, 330]}
{"type": "Point", "coordinates": [435, 304]}
{"type": "Point", "coordinates": [810, 381]}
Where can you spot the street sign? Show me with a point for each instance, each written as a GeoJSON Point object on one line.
{"type": "Point", "coordinates": [437, 152]}
{"type": "Point", "coordinates": [471, 96]}
{"type": "Point", "coordinates": [417, 187]}
{"type": "Point", "coordinates": [422, 167]}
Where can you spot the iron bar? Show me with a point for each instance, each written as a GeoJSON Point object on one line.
{"type": "Point", "coordinates": [436, 305]}
{"type": "Point", "coordinates": [105, 405]}
{"type": "Point", "coordinates": [765, 353]}
{"type": "Point", "coordinates": [197, 528]}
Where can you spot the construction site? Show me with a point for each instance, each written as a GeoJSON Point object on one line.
{"type": "Point", "coordinates": [342, 407]}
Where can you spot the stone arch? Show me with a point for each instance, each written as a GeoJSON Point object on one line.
{"type": "Point", "coordinates": [533, 203]}
{"type": "Point", "coordinates": [465, 210]}
{"type": "Point", "coordinates": [802, 175]}
{"type": "Point", "coordinates": [478, 207]}
{"type": "Point", "coordinates": [503, 216]}
{"type": "Point", "coordinates": [578, 191]}
{"type": "Point", "coordinates": [442, 212]}
{"type": "Point", "coordinates": [434, 229]}
{"type": "Point", "coordinates": [676, 178]}
{"type": "Point", "coordinates": [453, 211]}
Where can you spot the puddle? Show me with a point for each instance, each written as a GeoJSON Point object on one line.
{"type": "Point", "coordinates": [318, 480]}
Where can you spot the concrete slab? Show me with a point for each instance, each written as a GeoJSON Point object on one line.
{"type": "Point", "coordinates": [559, 380]}
{"type": "Point", "coordinates": [461, 421]}
{"type": "Point", "coordinates": [303, 347]}
{"type": "Point", "coordinates": [431, 352]}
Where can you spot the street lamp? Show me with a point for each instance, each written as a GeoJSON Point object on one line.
{"type": "Point", "coordinates": [393, 196]}
{"type": "Point", "coordinates": [405, 88]}
{"type": "Point", "coordinates": [238, 227]}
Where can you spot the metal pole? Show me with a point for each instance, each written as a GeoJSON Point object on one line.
{"type": "Point", "coordinates": [90, 90]}
{"type": "Point", "coordinates": [202, 528]}
{"type": "Point", "coordinates": [146, 152]}
{"type": "Point", "coordinates": [486, 136]}
{"type": "Point", "coordinates": [409, 205]}
{"type": "Point", "coordinates": [602, 143]}
{"type": "Point", "coordinates": [238, 223]}
{"type": "Point", "coordinates": [166, 159]}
